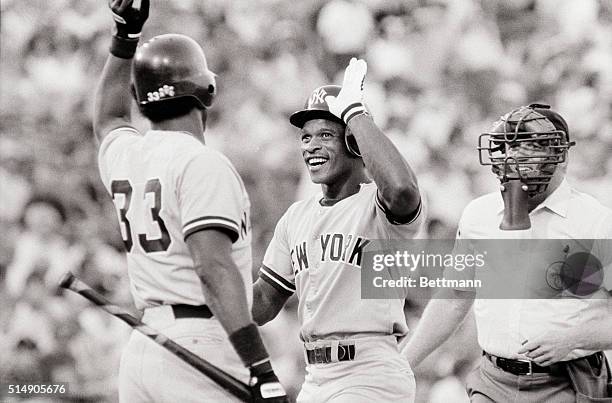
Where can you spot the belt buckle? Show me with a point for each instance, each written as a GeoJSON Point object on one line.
{"type": "Point", "coordinates": [319, 355]}
{"type": "Point", "coordinates": [530, 363]}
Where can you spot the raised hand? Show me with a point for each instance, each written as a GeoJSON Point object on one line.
{"type": "Point", "coordinates": [349, 102]}
{"type": "Point", "coordinates": [129, 20]}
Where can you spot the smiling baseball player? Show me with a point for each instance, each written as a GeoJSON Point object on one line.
{"type": "Point", "coordinates": [317, 250]}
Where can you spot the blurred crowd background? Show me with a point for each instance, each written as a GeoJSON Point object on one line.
{"type": "Point", "coordinates": [439, 73]}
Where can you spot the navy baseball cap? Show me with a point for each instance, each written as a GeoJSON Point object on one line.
{"type": "Point", "coordinates": [316, 107]}
{"type": "Point", "coordinates": [554, 117]}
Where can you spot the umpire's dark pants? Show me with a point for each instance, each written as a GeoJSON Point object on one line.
{"type": "Point", "coordinates": [488, 383]}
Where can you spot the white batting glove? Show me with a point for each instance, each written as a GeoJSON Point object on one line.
{"type": "Point", "coordinates": [349, 102]}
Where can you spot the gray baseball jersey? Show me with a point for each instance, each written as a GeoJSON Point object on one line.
{"type": "Point", "coordinates": [317, 251]}
{"type": "Point", "coordinates": [166, 186]}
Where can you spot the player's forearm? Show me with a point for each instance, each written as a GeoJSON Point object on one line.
{"type": "Point", "coordinates": [113, 99]}
{"type": "Point", "coordinates": [265, 307]}
{"type": "Point", "coordinates": [225, 293]}
{"type": "Point", "coordinates": [440, 319]}
{"type": "Point", "coordinates": [596, 334]}
{"type": "Point", "coordinates": [394, 178]}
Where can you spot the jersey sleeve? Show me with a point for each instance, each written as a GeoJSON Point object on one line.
{"type": "Point", "coordinates": [276, 269]}
{"type": "Point", "coordinates": [210, 194]}
{"type": "Point", "coordinates": [412, 218]}
{"type": "Point", "coordinates": [394, 229]}
{"type": "Point", "coordinates": [463, 246]}
{"type": "Point", "coordinates": [113, 144]}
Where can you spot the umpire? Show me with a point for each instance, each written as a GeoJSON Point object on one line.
{"type": "Point", "coordinates": [534, 350]}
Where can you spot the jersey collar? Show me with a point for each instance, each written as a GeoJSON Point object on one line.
{"type": "Point", "coordinates": [557, 201]}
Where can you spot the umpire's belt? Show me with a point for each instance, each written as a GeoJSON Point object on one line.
{"type": "Point", "coordinates": [191, 311]}
{"type": "Point", "coordinates": [526, 367]}
{"type": "Point", "coordinates": [333, 351]}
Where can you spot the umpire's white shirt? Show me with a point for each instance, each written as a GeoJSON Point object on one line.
{"type": "Point", "coordinates": [566, 214]}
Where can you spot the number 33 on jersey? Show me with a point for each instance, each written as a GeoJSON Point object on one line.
{"type": "Point", "coordinates": [166, 186]}
{"type": "Point", "coordinates": [124, 188]}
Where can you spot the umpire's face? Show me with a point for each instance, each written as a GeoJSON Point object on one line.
{"type": "Point", "coordinates": [324, 152]}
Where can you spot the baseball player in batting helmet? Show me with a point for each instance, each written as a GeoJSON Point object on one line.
{"type": "Point", "coordinates": [533, 349]}
{"type": "Point", "coordinates": [184, 217]}
{"type": "Point", "coordinates": [317, 108]}
{"type": "Point", "coordinates": [368, 191]}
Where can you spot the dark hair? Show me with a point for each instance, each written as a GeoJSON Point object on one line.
{"type": "Point", "coordinates": [168, 109]}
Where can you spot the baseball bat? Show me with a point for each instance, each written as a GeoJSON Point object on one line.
{"type": "Point", "coordinates": [222, 378]}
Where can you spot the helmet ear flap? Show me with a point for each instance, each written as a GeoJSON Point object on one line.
{"type": "Point", "coordinates": [351, 143]}
{"type": "Point", "coordinates": [205, 95]}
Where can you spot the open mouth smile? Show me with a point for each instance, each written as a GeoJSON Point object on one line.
{"type": "Point", "coordinates": [315, 162]}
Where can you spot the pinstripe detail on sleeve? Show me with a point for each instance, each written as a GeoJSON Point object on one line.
{"type": "Point", "coordinates": [205, 222]}
{"type": "Point", "coordinates": [281, 284]}
{"type": "Point", "coordinates": [114, 134]}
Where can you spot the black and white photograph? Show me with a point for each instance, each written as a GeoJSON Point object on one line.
{"type": "Point", "coordinates": [321, 201]}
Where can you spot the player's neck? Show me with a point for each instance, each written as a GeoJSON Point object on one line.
{"type": "Point", "coordinates": [334, 192]}
{"type": "Point", "coordinates": [191, 123]}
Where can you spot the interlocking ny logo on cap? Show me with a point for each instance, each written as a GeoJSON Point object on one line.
{"type": "Point", "coordinates": [317, 97]}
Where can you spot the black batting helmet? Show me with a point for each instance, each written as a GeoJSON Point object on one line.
{"type": "Point", "coordinates": [172, 66]}
{"type": "Point", "coordinates": [316, 108]}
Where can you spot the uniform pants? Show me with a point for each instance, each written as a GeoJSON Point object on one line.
{"type": "Point", "coordinates": [487, 383]}
{"type": "Point", "coordinates": [377, 374]}
{"type": "Point", "coordinates": [150, 373]}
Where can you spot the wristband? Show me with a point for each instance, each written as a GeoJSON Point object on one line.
{"type": "Point", "coordinates": [262, 367]}
{"type": "Point", "coordinates": [352, 110]}
{"type": "Point", "coordinates": [248, 344]}
{"type": "Point", "coordinates": [123, 48]}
